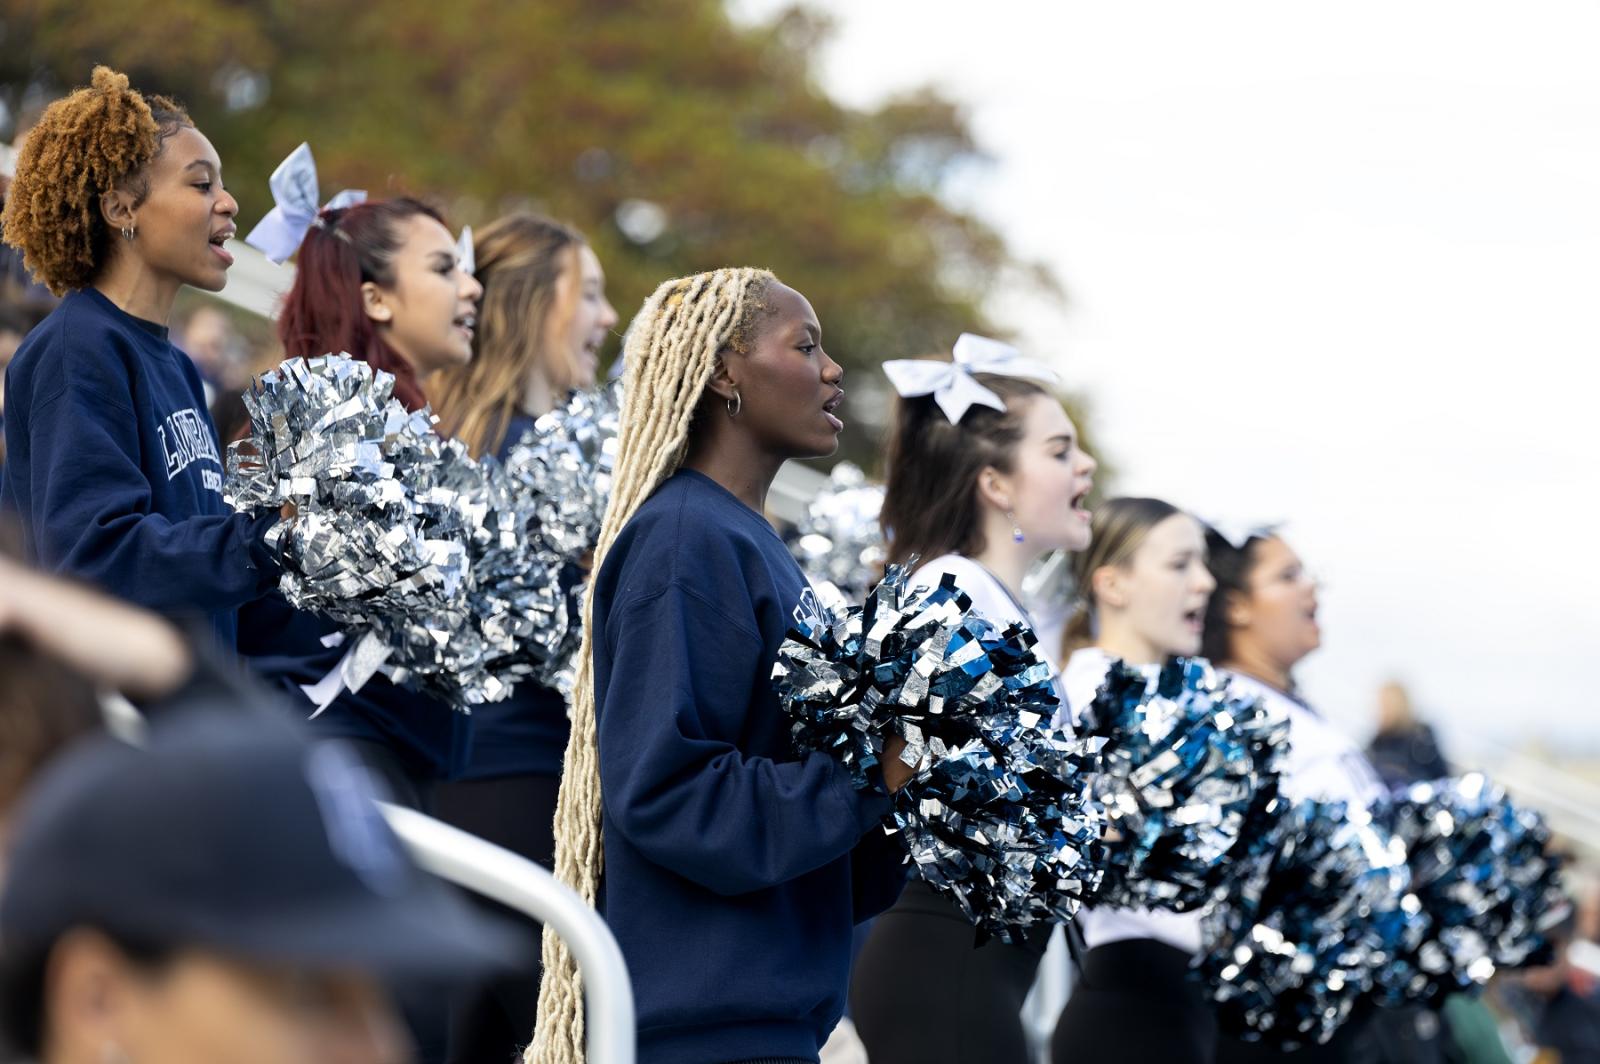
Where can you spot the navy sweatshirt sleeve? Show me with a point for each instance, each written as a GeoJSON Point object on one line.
{"type": "Point", "coordinates": [676, 785]}
{"type": "Point", "coordinates": [115, 469]}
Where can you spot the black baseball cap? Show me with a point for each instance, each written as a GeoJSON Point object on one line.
{"type": "Point", "coordinates": [233, 830]}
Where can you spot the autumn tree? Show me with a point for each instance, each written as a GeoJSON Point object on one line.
{"type": "Point", "coordinates": [678, 139]}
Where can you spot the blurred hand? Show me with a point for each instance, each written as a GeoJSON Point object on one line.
{"type": "Point", "coordinates": [111, 643]}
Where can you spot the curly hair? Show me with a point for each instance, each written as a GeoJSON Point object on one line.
{"type": "Point", "coordinates": [86, 144]}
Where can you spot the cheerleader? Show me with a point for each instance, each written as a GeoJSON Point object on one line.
{"type": "Point", "coordinates": [381, 280]}
{"type": "Point", "coordinates": [735, 870]}
{"type": "Point", "coordinates": [1261, 622]}
{"type": "Point", "coordinates": [541, 323]}
{"type": "Point", "coordinates": [985, 476]}
{"type": "Point", "coordinates": [1143, 588]}
{"type": "Point", "coordinates": [113, 465]}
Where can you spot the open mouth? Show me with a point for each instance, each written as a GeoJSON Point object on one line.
{"type": "Point", "coordinates": [832, 405]}
{"type": "Point", "coordinates": [1195, 619]}
{"type": "Point", "coordinates": [467, 323]}
{"type": "Point", "coordinates": [218, 239]}
{"type": "Point", "coordinates": [1080, 503]}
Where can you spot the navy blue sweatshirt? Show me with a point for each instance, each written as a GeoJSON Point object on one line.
{"type": "Point", "coordinates": [115, 471]}
{"type": "Point", "coordinates": [734, 869]}
{"type": "Point", "coordinates": [525, 735]}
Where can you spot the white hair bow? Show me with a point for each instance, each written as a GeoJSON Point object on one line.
{"type": "Point", "coordinates": [952, 384]}
{"type": "Point", "coordinates": [466, 257]}
{"type": "Point", "coordinates": [294, 197]}
{"type": "Point", "coordinates": [1238, 534]}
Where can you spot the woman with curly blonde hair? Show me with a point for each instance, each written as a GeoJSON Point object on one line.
{"type": "Point", "coordinates": [113, 464]}
{"type": "Point", "coordinates": [542, 320]}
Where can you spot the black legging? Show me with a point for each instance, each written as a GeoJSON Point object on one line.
{"type": "Point", "coordinates": [1409, 1035]}
{"type": "Point", "coordinates": [1133, 1003]}
{"type": "Point", "coordinates": [921, 994]}
{"type": "Point", "coordinates": [491, 1024]}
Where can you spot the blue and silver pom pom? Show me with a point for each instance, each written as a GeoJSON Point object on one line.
{"type": "Point", "coordinates": [1482, 871]}
{"type": "Point", "coordinates": [1188, 777]}
{"type": "Point", "coordinates": [997, 816]}
{"type": "Point", "coordinates": [1298, 941]}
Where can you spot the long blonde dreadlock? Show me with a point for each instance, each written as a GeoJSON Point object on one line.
{"type": "Point", "coordinates": [670, 353]}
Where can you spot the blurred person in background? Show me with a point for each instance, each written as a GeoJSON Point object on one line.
{"type": "Point", "coordinates": [17, 319]}
{"type": "Point", "coordinates": [1556, 1019]}
{"type": "Point", "coordinates": [1260, 623]}
{"type": "Point", "coordinates": [1404, 749]}
{"type": "Point", "coordinates": [1143, 588]}
{"type": "Point", "coordinates": [227, 894]}
{"type": "Point", "coordinates": [206, 334]}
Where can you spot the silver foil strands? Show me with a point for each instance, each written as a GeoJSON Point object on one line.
{"type": "Point", "coordinates": [513, 615]}
{"type": "Point", "coordinates": [1486, 882]}
{"type": "Point", "coordinates": [839, 540]}
{"type": "Point", "coordinates": [566, 464]}
{"type": "Point", "coordinates": [996, 817]}
{"type": "Point", "coordinates": [1187, 777]}
{"type": "Point", "coordinates": [397, 532]}
{"type": "Point", "coordinates": [329, 439]}
{"type": "Point", "coordinates": [1322, 910]}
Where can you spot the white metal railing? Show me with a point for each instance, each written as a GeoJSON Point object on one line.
{"type": "Point", "coordinates": [469, 861]}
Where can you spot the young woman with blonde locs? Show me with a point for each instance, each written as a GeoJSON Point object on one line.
{"type": "Point", "coordinates": [734, 870]}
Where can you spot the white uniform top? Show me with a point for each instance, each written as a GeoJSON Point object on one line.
{"type": "Point", "coordinates": [989, 597]}
{"type": "Point", "coordinates": [1085, 671]}
{"type": "Point", "coordinates": [1323, 761]}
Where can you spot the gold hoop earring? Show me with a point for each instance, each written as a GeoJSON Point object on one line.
{"type": "Point", "coordinates": [735, 405]}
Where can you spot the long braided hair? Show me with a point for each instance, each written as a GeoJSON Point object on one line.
{"type": "Point", "coordinates": [670, 352]}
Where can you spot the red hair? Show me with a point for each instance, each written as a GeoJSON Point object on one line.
{"type": "Point", "coordinates": [323, 313]}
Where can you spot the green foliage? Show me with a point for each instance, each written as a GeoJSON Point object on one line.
{"type": "Point", "coordinates": [576, 108]}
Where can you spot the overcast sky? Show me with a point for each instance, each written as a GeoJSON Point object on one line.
{"type": "Point", "coordinates": [1334, 263]}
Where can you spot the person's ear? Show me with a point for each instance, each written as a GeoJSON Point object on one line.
{"type": "Point", "coordinates": [88, 990]}
{"type": "Point", "coordinates": [1236, 611]}
{"type": "Point", "coordinates": [994, 489]}
{"type": "Point", "coordinates": [722, 383]}
{"type": "Point", "coordinates": [1110, 586]}
{"type": "Point", "coordinates": [119, 208]}
{"type": "Point", "coordinates": [376, 303]}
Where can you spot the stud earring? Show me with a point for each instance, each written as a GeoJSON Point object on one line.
{"type": "Point", "coordinates": [1016, 529]}
{"type": "Point", "coordinates": [735, 405]}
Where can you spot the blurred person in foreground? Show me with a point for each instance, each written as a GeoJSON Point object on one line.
{"type": "Point", "coordinates": [61, 644]}
{"type": "Point", "coordinates": [227, 894]}
{"type": "Point", "coordinates": [1404, 749]}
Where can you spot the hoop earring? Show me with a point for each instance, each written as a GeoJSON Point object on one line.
{"type": "Point", "coordinates": [1016, 529]}
{"type": "Point", "coordinates": [127, 232]}
{"type": "Point", "coordinates": [735, 405]}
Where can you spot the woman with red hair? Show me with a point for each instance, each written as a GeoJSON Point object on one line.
{"type": "Point", "coordinates": [382, 281]}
